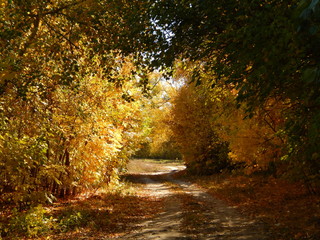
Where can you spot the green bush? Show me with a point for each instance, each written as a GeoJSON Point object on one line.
{"type": "Point", "coordinates": [36, 222]}
{"type": "Point", "coordinates": [71, 221]}
{"type": "Point", "coordinates": [32, 223]}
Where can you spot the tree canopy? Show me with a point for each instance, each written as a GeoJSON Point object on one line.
{"type": "Point", "coordinates": [75, 84]}
{"type": "Point", "coordinates": [266, 50]}
{"type": "Point", "coordinates": [70, 94]}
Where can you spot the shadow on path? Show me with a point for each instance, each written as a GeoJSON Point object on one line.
{"type": "Point", "coordinates": [191, 213]}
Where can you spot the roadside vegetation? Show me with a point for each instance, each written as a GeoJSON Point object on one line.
{"type": "Point", "coordinates": [285, 206]}
{"type": "Point", "coordinates": [229, 87]}
{"type": "Point", "coordinates": [102, 214]}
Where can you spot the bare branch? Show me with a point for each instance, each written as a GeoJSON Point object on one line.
{"type": "Point", "coordinates": [60, 34]}
{"type": "Point", "coordinates": [59, 9]}
{"type": "Point", "coordinates": [34, 31]}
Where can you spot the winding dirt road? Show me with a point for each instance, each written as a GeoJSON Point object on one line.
{"type": "Point", "coordinates": [191, 213]}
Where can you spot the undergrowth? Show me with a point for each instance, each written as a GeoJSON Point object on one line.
{"type": "Point", "coordinates": [108, 210]}
{"type": "Point", "coordinates": [38, 221]}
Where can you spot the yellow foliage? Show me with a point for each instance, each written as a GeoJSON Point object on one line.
{"type": "Point", "coordinates": [256, 140]}
{"type": "Point", "coordinates": [202, 113]}
{"type": "Point", "coordinates": [87, 128]}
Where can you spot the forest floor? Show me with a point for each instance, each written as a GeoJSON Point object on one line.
{"type": "Point", "coordinates": [191, 213]}
{"type": "Point", "coordinates": [158, 200]}
{"type": "Point", "coordinates": [225, 206]}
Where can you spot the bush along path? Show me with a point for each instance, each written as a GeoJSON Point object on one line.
{"type": "Point", "coordinates": [158, 201]}
{"type": "Point", "coordinates": [191, 213]}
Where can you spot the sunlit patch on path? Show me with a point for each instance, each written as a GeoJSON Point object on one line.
{"type": "Point", "coordinates": [191, 213]}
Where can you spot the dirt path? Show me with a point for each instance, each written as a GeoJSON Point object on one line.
{"type": "Point", "coordinates": [191, 213]}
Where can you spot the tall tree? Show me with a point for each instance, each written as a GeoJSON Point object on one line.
{"type": "Point", "coordinates": [194, 127]}
{"type": "Point", "coordinates": [265, 49]}
{"type": "Point", "coordinates": [69, 97]}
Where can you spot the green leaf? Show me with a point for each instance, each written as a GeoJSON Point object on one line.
{"type": "Point", "coordinates": [313, 30]}
{"type": "Point", "coordinates": [313, 4]}
{"type": "Point", "coordinates": [307, 12]}
{"type": "Point", "coordinates": [309, 75]}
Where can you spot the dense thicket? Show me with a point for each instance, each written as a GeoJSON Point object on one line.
{"type": "Point", "coordinates": [159, 143]}
{"type": "Point", "coordinates": [213, 133]}
{"type": "Point", "coordinates": [70, 94]}
{"type": "Point", "coordinates": [193, 129]}
{"type": "Point", "coordinates": [267, 50]}
{"type": "Point", "coordinates": [74, 81]}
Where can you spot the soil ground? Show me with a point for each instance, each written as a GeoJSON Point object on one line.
{"type": "Point", "coordinates": [157, 200]}
{"type": "Point", "coordinates": [189, 212]}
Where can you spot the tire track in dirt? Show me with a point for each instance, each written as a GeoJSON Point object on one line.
{"type": "Point", "coordinates": [215, 219]}
{"type": "Point", "coordinates": [167, 224]}
{"type": "Point", "coordinates": [191, 213]}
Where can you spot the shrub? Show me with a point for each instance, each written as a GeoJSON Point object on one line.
{"type": "Point", "coordinates": [31, 223]}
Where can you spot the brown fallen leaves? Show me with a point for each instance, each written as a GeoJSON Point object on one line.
{"type": "Point", "coordinates": [101, 216]}
{"type": "Point", "coordinates": [288, 208]}
{"type": "Point", "coordinates": [113, 216]}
